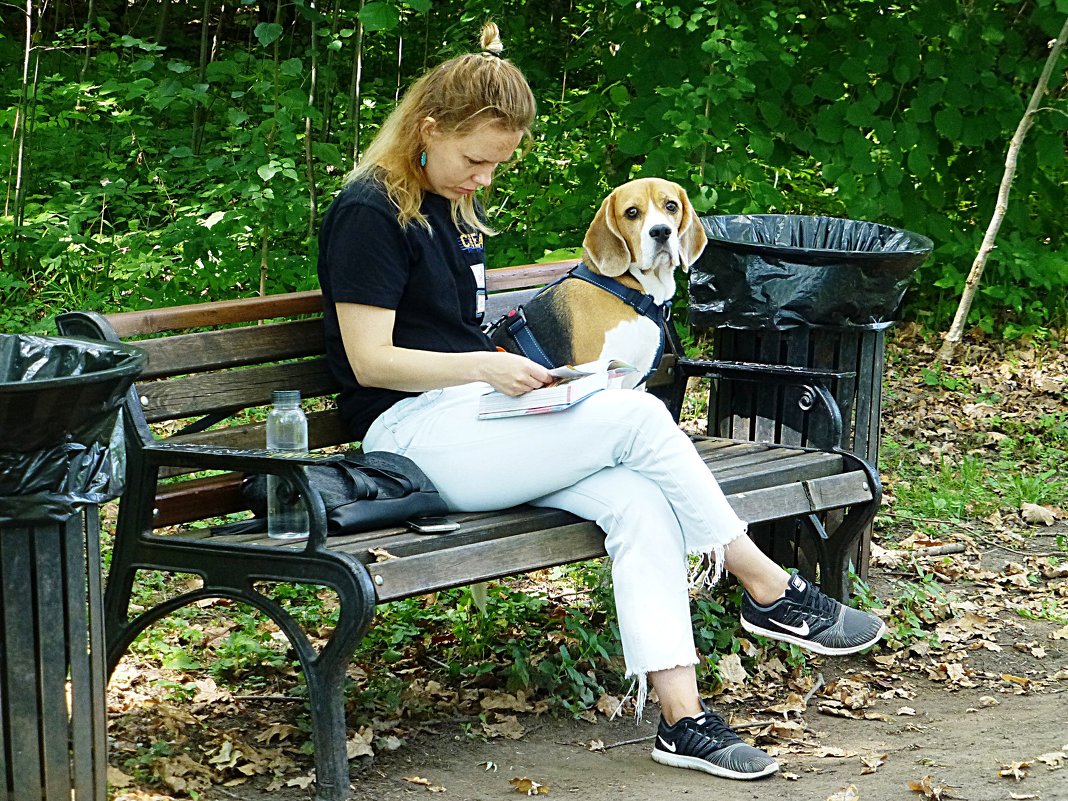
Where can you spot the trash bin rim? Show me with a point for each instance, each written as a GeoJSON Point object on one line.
{"type": "Point", "coordinates": [131, 365]}
{"type": "Point", "coordinates": [923, 244]}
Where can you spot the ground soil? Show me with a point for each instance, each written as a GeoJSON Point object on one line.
{"type": "Point", "coordinates": [957, 737]}
{"type": "Point", "coordinates": [923, 736]}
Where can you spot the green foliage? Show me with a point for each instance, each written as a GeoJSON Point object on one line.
{"type": "Point", "coordinates": [180, 177]}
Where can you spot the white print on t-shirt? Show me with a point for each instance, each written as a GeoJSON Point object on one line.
{"type": "Point", "coordinates": [479, 271]}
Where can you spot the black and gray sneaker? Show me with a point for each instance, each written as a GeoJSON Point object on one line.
{"type": "Point", "coordinates": [808, 618]}
{"type": "Point", "coordinates": [707, 743]}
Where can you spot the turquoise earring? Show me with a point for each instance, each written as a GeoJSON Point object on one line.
{"type": "Point", "coordinates": [422, 159]}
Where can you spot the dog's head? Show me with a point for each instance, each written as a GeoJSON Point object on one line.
{"type": "Point", "coordinates": [644, 226]}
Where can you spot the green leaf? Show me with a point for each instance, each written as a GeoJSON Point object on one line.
{"type": "Point", "coordinates": [948, 122]}
{"type": "Point", "coordinates": [418, 6]}
{"type": "Point", "coordinates": [379, 17]}
{"type": "Point", "coordinates": [619, 95]}
{"type": "Point", "coordinates": [267, 32]}
{"type": "Point", "coordinates": [182, 152]}
{"type": "Point", "coordinates": [634, 143]}
{"type": "Point", "coordinates": [268, 171]}
{"type": "Point", "coordinates": [292, 67]}
{"type": "Point", "coordinates": [180, 660]}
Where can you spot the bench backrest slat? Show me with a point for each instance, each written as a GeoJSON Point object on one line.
{"type": "Point", "coordinates": [231, 347]}
{"type": "Point", "coordinates": [194, 395]}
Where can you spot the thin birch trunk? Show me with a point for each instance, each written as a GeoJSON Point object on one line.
{"type": "Point", "coordinates": [21, 127]}
{"type": "Point", "coordinates": [329, 90]}
{"type": "Point", "coordinates": [88, 40]}
{"type": "Point", "coordinates": [313, 200]}
{"type": "Point", "coordinates": [956, 331]}
{"type": "Point", "coordinates": [355, 99]}
{"type": "Point", "coordinates": [199, 112]}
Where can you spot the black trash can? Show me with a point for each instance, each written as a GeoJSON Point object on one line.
{"type": "Point", "coordinates": [61, 455]}
{"type": "Point", "coordinates": [806, 291]}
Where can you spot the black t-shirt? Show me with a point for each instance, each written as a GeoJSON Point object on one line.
{"type": "Point", "coordinates": [435, 280]}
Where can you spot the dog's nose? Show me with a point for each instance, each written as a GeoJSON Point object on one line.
{"type": "Point", "coordinates": [661, 233]}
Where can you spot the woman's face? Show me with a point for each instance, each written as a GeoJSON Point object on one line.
{"type": "Point", "coordinates": [458, 164]}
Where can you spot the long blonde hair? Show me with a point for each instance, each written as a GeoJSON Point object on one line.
{"type": "Point", "coordinates": [460, 95]}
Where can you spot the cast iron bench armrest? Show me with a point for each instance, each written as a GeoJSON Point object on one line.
{"type": "Point", "coordinates": [250, 460]}
{"type": "Point", "coordinates": [814, 383]}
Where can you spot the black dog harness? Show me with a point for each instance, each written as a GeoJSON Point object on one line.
{"type": "Point", "coordinates": [515, 321]}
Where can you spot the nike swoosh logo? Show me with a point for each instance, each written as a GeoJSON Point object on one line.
{"type": "Point", "coordinates": [667, 746]}
{"type": "Point", "coordinates": [800, 631]}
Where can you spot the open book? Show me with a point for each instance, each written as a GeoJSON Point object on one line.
{"type": "Point", "coordinates": [572, 385]}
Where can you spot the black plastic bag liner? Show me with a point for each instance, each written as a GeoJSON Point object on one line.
{"type": "Point", "coordinates": [784, 271]}
{"type": "Point", "coordinates": [61, 444]}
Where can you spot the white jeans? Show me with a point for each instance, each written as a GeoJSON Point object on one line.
{"type": "Point", "coordinates": [617, 458]}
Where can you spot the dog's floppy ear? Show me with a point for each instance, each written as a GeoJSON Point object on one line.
{"type": "Point", "coordinates": [604, 248]}
{"type": "Point", "coordinates": [692, 237]}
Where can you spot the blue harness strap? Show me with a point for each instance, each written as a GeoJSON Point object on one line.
{"type": "Point", "coordinates": [515, 322]}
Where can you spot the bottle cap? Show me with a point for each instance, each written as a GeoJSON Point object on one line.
{"type": "Point", "coordinates": [285, 396]}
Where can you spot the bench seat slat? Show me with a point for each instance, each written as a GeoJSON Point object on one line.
{"type": "Point", "coordinates": [534, 550]}
{"type": "Point", "coordinates": [758, 466]}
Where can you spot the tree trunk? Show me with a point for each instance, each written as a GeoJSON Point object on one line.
{"type": "Point", "coordinates": [88, 41]}
{"type": "Point", "coordinates": [328, 90]}
{"type": "Point", "coordinates": [956, 331]}
{"type": "Point", "coordinates": [199, 111]}
{"type": "Point", "coordinates": [309, 162]}
{"type": "Point", "coordinates": [355, 101]}
{"type": "Point", "coordinates": [20, 133]}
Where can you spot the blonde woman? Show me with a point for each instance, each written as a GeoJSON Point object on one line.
{"type": "Point", "coordinates": [402, 269]}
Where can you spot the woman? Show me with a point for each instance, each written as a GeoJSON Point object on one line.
{"type": "Point", "coordinates": [402, 271]}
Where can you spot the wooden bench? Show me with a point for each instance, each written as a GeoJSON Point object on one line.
{"type": "Point", "coordinates": [210, 362]}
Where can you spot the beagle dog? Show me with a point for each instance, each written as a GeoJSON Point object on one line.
{"type": "Point", "coordinates": [614, 304]}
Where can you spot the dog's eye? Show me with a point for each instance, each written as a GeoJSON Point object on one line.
{"type": "Point", "coordinates": [631, 213]}
{"type": "Point", "coordinates": [671, 206]}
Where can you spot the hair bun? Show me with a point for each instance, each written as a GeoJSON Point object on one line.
{"type": "Point", "coordinates": [491, 39]}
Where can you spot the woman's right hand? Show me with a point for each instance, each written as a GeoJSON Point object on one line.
{"type": "Point", "coordinates": [513, 374]}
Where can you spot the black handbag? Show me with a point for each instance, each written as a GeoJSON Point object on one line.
{"type": "Point", "coordinates": [361, 491]}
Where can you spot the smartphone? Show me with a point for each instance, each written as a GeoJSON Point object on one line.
{"type": "Point", "coordinates": [432, 525]}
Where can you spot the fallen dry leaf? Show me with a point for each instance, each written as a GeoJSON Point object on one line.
{"type": "Point", "coordinates": [595, 745]}
{"type": "Point", "coordinates": [1015, 770]}
{"type": "Point", "coordinates": [506, 726]}
{"type": "Point", "coordinates": [359, 744]}
{"type": "Point", "coordinates": [872, 763]}
{"type": "Point", "coordinates": [529, 786]}
{"type": "Point", "coordinates": [303, 782]}
{"type": "Point", "coordinates": [116, 778]}
{"type": "Point", "coordinates": [1022, 796]}
{"type": "Point", "coordinates": [730, 669]}
{"type": "Point", "coordinates": [929, 789]}
{"type": "Point", "coordinates": [1053, 760]}
{"type": "Point", "coordinates": [607, 705]}
{"type": "Point", "coordinates": [850, 793]}
{"type": "Point", "coordinates": [1036, 513]}
{"type": "Point", "coordinates": [380, 554]}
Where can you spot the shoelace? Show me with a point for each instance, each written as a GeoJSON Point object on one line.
{"type": "Point", "coordinates": [824, 605]}
{"type": "Point", "coordinates": [714, 726]}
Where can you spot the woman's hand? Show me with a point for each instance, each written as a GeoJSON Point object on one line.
{"type": "Point", "coordinates": [513, 374]}
{"type": "Point", "coordinates": [367, 332]}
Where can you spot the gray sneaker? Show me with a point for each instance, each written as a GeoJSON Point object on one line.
{"type": "Point", "coordinates": [806, 617]}
{"type": "Point", "coordinates": [707, 743]}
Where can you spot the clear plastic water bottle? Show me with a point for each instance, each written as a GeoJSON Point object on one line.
{"type": "Point", "coordinates": [287, 430]}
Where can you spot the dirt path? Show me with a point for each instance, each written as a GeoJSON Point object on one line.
{"type": "Point", "coordinates": [953, 737]}
{"type": "Point", "coordinates": [943, 740]}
